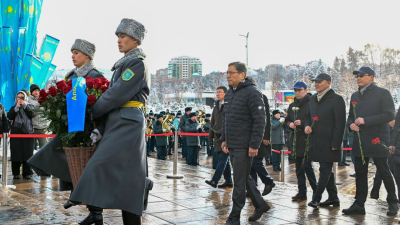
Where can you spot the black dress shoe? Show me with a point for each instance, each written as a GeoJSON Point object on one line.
{"type": "Point", "coordinates": [268, 189]}
{"type": "Point", "coordinates": [376, 197]}
{"type": "Point", "coordinates": [279, 169]}
{"type": "Point", "coordinates": [258, 212]}
{"type": "Point", "coordinates": [226, 185]}
{"type": "Point", "coordinates": [393, 208]}
{"type": "Point", "coordinates": [299, 197]}
{"type": "Point", "coordinates": [275, 169]}
{"type": "Point", "coordinates": [334, 203]}
{"type": "Point", "coordinates": [353, 175]}
{"type": "Point", "coordinates": [68, 204]}
{"type": "Point", "coordinates": [212, 183]}
{"type": "Point", "coordinates": [232, 222]}
{"type": "Point", "coordinates": [28, 177]}
{"type": "Point", "coordinates": [346, 164]}
{"type": "Point", "coordinates": [341, 164]}
{"type": "Point", "coordinates": [354, 209]}
{"type": "Point", "coordinates": [314, 204]}
{"type": "Point", "coordinates": [93, 218]}
{"type": "Point", "coordinates": [17, 177]}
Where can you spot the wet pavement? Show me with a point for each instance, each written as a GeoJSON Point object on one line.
{"type": "Point", "coordinates": [187, 201]}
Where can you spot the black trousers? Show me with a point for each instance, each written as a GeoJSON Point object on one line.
{"type": "Point", "coordinates": [16, 168]}
{"type": "Point", "coordinates": [127, 217]}
{"type": "Point", "coordinates": [326, 181]}
{"type": "Point", "coordinates": [362, 179]}
{"type": "Point", "coordinates": [301, 171]}
{"type": "Point", "coordinates": [378, 180]}
{"type": "Point", "coordinates": [241, 163]}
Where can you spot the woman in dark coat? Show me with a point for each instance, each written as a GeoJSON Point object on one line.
{"type": "Point", "coordinates": [3, 121]}
{"type": "Point", "coordinates": [21, 148]}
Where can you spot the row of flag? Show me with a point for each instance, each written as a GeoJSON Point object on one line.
{"type": "Point", "coordinates": [21, 64]}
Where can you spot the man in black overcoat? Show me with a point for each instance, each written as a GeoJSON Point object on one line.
{"type": "Point", "coordinates": [374, 109]}
{"type": "Point", "coordinates": [326, 136]}
{"type": "Point", "coordinates": [295, 119]}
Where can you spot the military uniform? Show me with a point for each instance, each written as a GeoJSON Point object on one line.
{"type": "Point", "coordinates": [115, 178]}
{"type": "Point", "coordinates": [193, 143]}
{"type": "Point", "coordinates": [161, 141]}
{"type": "Point", "coordinates": [182, 126]}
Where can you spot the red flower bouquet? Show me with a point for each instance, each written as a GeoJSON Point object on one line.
{"type": "Point", "coordinates": [54, 108]}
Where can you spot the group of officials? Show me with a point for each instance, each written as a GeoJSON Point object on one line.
{"type": "Point", "coordinates": [240, 131]}
{"type": "Point", "coordinates": [241, 124]}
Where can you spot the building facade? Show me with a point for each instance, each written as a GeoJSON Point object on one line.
{"type": "Point", "coordinates": [184, 67]}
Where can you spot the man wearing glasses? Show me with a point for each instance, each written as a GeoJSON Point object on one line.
{"type": "Point", "coordinates": [242, 133]}
{"type": "Point", "coordinates": [374, 108]}
{"type": "Point", "coordinates": [295, 119]}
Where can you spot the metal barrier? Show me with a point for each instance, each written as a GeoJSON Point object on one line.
{"type": "Point", "coordinates": [175, 170]}
{"type": "Point", "coordinates": [283, 152]}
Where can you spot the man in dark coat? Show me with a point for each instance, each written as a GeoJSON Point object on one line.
{"type": "Point", "coordinates": [115, 178]}
{"type": "Point", "coordinates": [151, 141]}
{"type": "Point", "coordinates": [295, 119]}
{"type": "Point", "coordinates": [206, 129]}
{"type": "Point", "coordinates": [171, 138]}
{"type": "Point", "coordinates": [243, 131]}
{"type": "Point", "coordinates": [327, 111]}
{"type": "Point", "coordinates": [161, 141]}
{"type": "Point", "coordinates": [51, 158]}
{"type": "Point", "coordinates": [193, 142]}
{"type": "Point", "coordinates": [223, 167]}
{"type": "Point", "coordinates": [374, 109]}
{"type": "Point", "coordinates": [182, 125]}
{"type": "Point", "coordinates": [257, 167]}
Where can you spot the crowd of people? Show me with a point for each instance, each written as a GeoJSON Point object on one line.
{"type": "Point", "coordinates": [241, 129]}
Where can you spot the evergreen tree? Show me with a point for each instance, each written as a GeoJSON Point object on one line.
{"type": "Point", "coordinates": [342, 65]}
{"type": "Point", "coordinates": [336, 64]}
{"type": "Point", "coordinates": [283, 85]}
{"type": "Point", "coordinates": [296, 76]}
{"type": "Point", "coordinates": [308, 73]}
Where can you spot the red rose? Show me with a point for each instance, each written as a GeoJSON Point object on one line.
{"type": "Point", "coordinates": [354, 103]}
{"type": "Point", "coordinates": [67, 89]}
{"type": "Point", "coordinates": [373, 141]}
{"type": "Point", "coordinates": [97, 85]}
{"type": "Point", "coordinates": [89, 84]}
{"type": "Point", "coordinates": [61, 84]}
{"type": "Point", "coordinates": [91, 100]}
{"type": "Point", "coordinates": [97, 80]}
{"type": "Point", "coordinates": [42, 99]}
{"type": "Point", "coordinates": [69, 83]}
{"type": "Point", "coordinates": [88, 79]}
{"type": "Point", "coordinates": [53, 91]}
{"type": "Point", "coordinates": [104, 89]}
{"type": "Point", "coordinates": [103, 80]}
{"type": "Point", "coordinates": [315, 118]}
{"type": "Point", "coordinates": [377, 140]}
{"type": "Point", "coordinates": [43, 93]}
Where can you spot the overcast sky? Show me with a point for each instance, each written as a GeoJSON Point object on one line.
{"type": "Point", "coordinates": [284, 32]}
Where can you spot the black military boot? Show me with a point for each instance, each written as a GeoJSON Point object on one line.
{"type": "Point", "coordinates": [95, 216]}
{"type": "Point", "coordinates": [131, 219]}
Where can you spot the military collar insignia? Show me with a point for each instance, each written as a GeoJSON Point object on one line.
{"type": "Point", "coordinates": [127, 75]}
{"type": "Point", "coordinates": [140, 57]}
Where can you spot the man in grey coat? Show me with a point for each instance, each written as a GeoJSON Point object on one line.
{"type": "Point", "coordinates": [242, 134]}
{"type": "Point", "coordinates": [115, 178]}
{"type": "Point", "coordinates": [39, 123]}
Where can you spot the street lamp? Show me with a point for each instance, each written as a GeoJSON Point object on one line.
{"type": "Point", "coordinates": [247, 47]}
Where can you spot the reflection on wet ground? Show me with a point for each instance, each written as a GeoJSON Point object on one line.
{"type": "Point", "coordinates": [188, 200]}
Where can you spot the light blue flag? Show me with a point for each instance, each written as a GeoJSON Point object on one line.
{"type": "Point", "coordinates": [34, 70]}
{"type": "Point", "coordinates": [10, 13]}
{"type": "Point", "coordinates": [21, 42]}
{"type": "Point", "coordinates": [46, 53]}
{"type": "Point", "coordinates": [76, 105]}
{"type": "Point", "coordinates": [30, 14]}
{"type": "Point", "coordinates": [42, 83]}
{"type": "Point", "coordinates": [24, 73]}
{"type": "Point", "coordinates": [6, 68]}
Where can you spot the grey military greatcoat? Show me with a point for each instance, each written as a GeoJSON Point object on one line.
{"type": "Point", "coordinates": [115, 176]}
